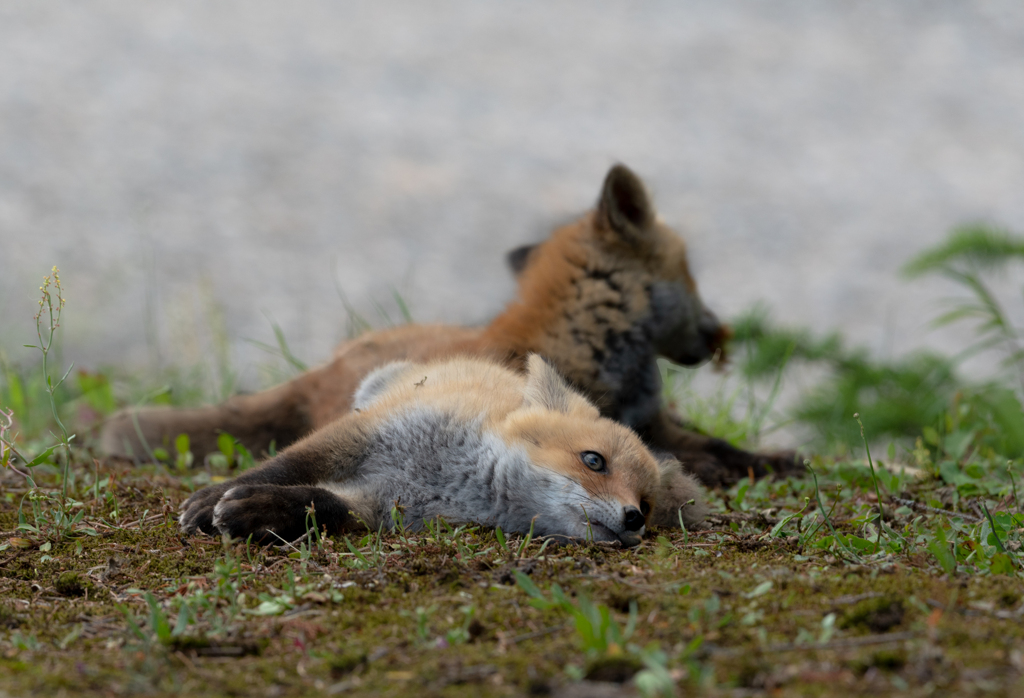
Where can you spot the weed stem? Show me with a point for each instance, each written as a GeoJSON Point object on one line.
{"type": "Point", "coordinates": [1013, 483]}
{"type": "Point", "coordinates": [874, 479]}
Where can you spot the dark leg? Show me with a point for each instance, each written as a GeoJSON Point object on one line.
{"type": "Point", "coordinates": [714, 461]}
{"type": "Point", "coordinates": [331, 454]}
{"type": "Point", "coordinates": [279, 415]}
{"type": "Point", "coordinates": [282, 415]}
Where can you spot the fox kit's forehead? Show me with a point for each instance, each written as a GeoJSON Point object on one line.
{"type": "Point", "coordinates": [661, 253]}
{"type": "Point", "coordinates": [672, 262]}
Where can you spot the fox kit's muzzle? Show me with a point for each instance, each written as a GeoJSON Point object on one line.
{"type": "Point", "coordinates": [633, 520]}
{"type": "Point", "coordinates": [633, 524]}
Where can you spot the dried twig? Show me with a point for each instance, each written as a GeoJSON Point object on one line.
{"type": "Point", "coordinates": [917, 506]}
{"type": "Point", "coordinates": [846, 643]}
{"type": "Point", "coordinates": [853, 598]}
{"type": "Point", "coordinates": [538, 633]}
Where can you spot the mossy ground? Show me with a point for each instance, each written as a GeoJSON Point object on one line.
{"type": "Point", "coordinates": [736, 610]}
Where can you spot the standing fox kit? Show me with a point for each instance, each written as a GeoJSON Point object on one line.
{"type": "Point", "coordinates": [466, 440]}
{"type": "Point", "coordinates": [601, 300]}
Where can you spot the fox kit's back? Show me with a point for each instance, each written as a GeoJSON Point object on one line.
{"type": "Point", "coordinates": [470, 388]}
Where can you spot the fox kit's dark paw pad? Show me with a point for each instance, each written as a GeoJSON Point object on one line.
{"type": "Point", "coordinates": [197, 510]}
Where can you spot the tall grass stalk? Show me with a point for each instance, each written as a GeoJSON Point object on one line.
{"type": "Point", "coordinates": [874, 480]}
{"type": "Point", "coordinates": [47, 322]}
{"type": "Point", "coordinates": [995, 535]}
{"type": "Point", "coordinates": [756, 416]}
{"type": "Point", "coordinates": [686, 534]}
{"type": "Point", "coordinates": [1013, 483]}
{"type": "Point", "coordinates": [828, 520]}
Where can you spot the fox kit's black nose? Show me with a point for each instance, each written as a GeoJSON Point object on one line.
{"type": "Point", "coordinates": [634, 519]}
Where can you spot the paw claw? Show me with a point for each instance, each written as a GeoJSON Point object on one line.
{"type": "Point", "coordinates": [218, 512]}
{"type": "Point", "coordinates": [197, 510]}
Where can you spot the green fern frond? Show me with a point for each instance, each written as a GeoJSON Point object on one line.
{"type": "Point", "coordinates": [979, 246]}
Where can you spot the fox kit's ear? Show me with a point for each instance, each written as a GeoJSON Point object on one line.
{"type": "Point", "coordinates": [624, 207]}
{"type": "Point", "coordinates": [518, 258]}
{"type": "Point", "coordinates": [546, 388]}
{"type": "Point", "coordinates": [376, 383]}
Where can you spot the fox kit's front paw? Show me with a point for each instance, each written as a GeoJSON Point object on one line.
{"type": "Point", "coordinates": [197, 510]}
{"type": "Point", "coordinates": [276, 513]}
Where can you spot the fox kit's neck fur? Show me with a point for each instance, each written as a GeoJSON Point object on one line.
{"type": "Point", "coordinates": [466, 440]}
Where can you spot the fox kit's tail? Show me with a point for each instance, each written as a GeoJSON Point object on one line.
{"type": "Point", "coordinates": [680, 496]}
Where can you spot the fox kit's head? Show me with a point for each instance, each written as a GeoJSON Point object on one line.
{"type": "Point", "coordinates": [623, 262]}
{"type": "Point", "coordinates": [601, 479]}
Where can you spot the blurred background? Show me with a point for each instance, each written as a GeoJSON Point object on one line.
{"type": "Point", "coordinates": [200, 170]}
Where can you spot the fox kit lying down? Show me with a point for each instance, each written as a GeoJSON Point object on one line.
{"type": "Point", "coordinates": [467, 440]}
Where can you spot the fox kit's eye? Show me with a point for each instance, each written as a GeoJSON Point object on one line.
{"type": "Point", "coordinates": [594, 461]}
{"type": "Point", "coordinates": [645, 507]}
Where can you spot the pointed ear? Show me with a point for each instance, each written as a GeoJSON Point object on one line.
{"type": "Point", "coordinates": [624, 207]}
{"type": "Point", "coordinates": [518, 258]}
{"type": "Point", "coordinates": [546, 388]}
{"type": "Point", "coordinates": [376, 383]}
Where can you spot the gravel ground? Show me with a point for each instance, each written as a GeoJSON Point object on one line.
{"type": "Point", "coordinates": [193, 160]}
